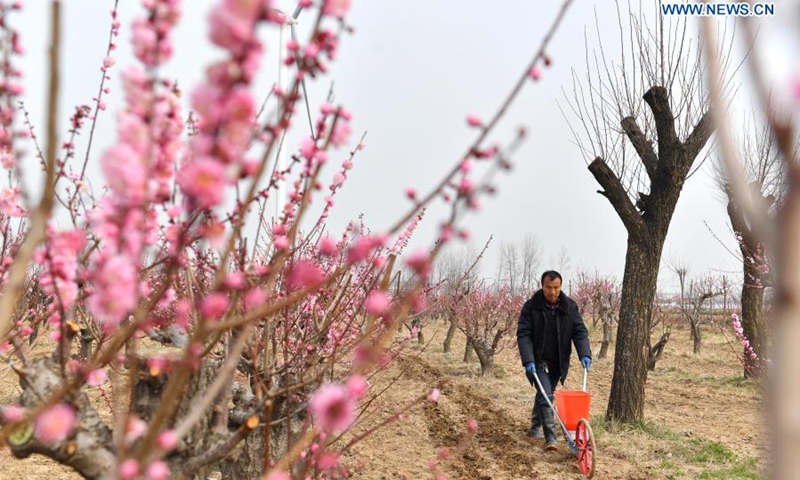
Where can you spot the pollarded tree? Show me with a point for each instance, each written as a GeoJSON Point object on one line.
{"type": "Point", "coordinates": [765, 171]}
{"type": "Point", "coordinates": [644, 121]}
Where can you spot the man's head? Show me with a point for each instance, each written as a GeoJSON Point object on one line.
{"type": "Point", "coordinates": [551, 286]}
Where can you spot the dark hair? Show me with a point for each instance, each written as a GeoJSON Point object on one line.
{"type": "Point", "coordinates": [552, 275]}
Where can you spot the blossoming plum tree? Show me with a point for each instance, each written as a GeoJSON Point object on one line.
{"type": "Point", "coordinates": [213, 350]}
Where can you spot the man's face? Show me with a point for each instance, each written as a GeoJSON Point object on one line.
{"type": "Point", "coordinates": [551, 288]}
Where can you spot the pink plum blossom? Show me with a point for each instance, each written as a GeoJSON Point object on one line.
{"type": "Point", "coordinates": [115, 293]}
{"type": "Point", "coordinates": [472, 425]}
{"type": "Point", "coordinates": [327, 461]}
{"type": "Point", "coordinates": [129, 469]}
{"type": "Point", "coordinates": [12, 413]}
{"type": "Point", "coordinates": [305, 274]}
{"type": "Point", "coordinates": [157, 470]}
{"type": "Point", "coordinates": [473, 120]}
{"type": "Point", "coordinates": [377, 303]}
{"type": "Point", "coordinates": [95, 378]}
{"type": "Point", "coordinates": [332, 408]}
{"type": "Point", "coordinates": [214, 306]}
{"type": "Point", "coordinates": [203, 180]}
{"type": "Point", "coordinates": [357, 386]}
{"type": "Point", "coordinates": [336, 8]}
{"type": "Point", "coordinates": [55, 424]}
{"type": "Point", "coordinates": [327, 247]}
{"type": "Point", "coordinates": [167, 440]}
{"type": "Point", "coordinates": [135, 429]}
{"type": "Point", "coordinates": [434, 396]}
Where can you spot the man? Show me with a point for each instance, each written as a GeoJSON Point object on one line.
{"type": "Point", "coordinates": [548, 322]}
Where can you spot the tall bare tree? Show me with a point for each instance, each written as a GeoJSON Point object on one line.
{"type": "Point", "coordinates": [519, 265]}
{"type": "Point", "coordinates": [510, 272]}
{"type": "Point", "coordinates": [643, 121]}
{"type": "Point", "coordinates": [531, 255]}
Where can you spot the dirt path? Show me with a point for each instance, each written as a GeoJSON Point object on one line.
{"type": "Point", "coordinates": [501, 448]}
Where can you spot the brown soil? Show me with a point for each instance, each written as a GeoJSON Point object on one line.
{"type": "Point", "coordinates": [700, 419]}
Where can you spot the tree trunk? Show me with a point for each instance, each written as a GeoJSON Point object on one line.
{"type": "Point", "coordinates": [86, 343]}
{"type": "Point", "coordinates": [626, 400]}
{"type": "Point", "coordinates": [606, 340]}
{"type": "Point", "coordinates": [697, 337]}
{"type": "Point", "coordinates": [486, 358]}
{"type": "Point", "coordinates": [468, 351]}
{"type": "Point", "coordinates": [417, 323]}
{"type": "Point", "coordinates": [449, 338]}
{"type": "Point", "coordinates": [658, 349]}
{"type": "Point", "coordinates": [752, 319]}
{"type": "Point", "coordinates": [753, 285]}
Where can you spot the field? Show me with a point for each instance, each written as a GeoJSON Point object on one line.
{"type": "Point", "coordinates": [701, 420]}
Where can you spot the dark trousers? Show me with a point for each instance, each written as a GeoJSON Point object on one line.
{"type": "Point", "coordinates": [549, 379]}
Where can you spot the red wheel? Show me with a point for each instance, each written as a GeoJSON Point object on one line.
{"type": "Point", "coordinates": [584, 440]}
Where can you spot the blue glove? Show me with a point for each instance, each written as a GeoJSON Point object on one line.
{"type": "Point", "coordinates": [586, 362]}
{"type": "Point", "coordinates": [530, 370]}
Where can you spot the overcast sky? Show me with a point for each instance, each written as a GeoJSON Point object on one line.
{"type": "Point", "coordinates": [411, 72]}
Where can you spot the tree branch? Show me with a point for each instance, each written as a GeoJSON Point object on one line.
{"type": "Point", "coordinates": [698, 138]}
{"type": "Point", "coordinates": [642, 145]}
{"type": "Point", "coordinates": [619, 199]}
{"type": "Point", "coordinates": [658, 100]}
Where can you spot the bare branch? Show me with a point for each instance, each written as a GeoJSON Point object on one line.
{"type": "Point", "coordinates": [615, 194]}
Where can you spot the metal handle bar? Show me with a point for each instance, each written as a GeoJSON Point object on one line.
{"type": "Point", "coordinates": [585, 374]}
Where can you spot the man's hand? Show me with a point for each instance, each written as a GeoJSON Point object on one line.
{"type": "Point", "coordinates": [530, 370]}
{"type": "Point", "coordinates": [586, 362]}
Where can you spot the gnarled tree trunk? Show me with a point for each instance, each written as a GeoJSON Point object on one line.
{"type": "Point", "coordinates": [607, 334]}
{"type": "Point", "coordinates": [451, 331]}
{"type": "Point", "coordinates": [468, 349]}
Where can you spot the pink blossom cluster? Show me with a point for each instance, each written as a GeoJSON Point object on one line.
{"type": "Point", "coordinates": [403, 238]}
{"type": "Point", "coordinates": [138, 169]}
{"type": "Point", "coordinates": [333, 406]}
{"type": "Point", "coordinates": [11, 87]}
{"type": "Point", "coordinates": [60, 261]}
{"type": "Point", "coordinates": [224, 105]}
{"type": "Point", "coordinates": [739, 332]}
{"type": "Point", "coordinates": [151, 34]}
{"type": "Point", "coordinates": [10, 203]}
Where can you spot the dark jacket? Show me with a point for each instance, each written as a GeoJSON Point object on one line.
{"type": "Point", "coordinates": [530, 331]}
